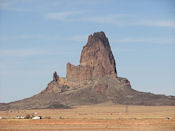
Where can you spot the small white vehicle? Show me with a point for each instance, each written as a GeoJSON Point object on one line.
{"type": "Point", "coordinates": [36, 117]}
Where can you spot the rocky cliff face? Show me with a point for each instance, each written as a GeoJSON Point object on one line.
{"type": "Point", "coordinates": [96, 60]}
{"type": "Point", "coordinates": [97, 64]}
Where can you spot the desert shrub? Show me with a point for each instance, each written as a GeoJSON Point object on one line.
{"type": "Point", "coordinates": [60, 117]}
{"type": "Point", "coordinates": [47, 117]}
{"type": "Point", "coordinates": [28, 116]}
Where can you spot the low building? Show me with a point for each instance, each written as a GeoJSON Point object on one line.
{"type": "Point", "coordinates": [19, 117]}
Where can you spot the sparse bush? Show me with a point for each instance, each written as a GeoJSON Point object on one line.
{"type": "Point", "coordinates": [28, 116]}
{"type": "Point", "coordinates": [47, 117]}
{"type": "Point", "coordinates": [60, 117]}
{"type": "Point", "coordinates": [167, 118]}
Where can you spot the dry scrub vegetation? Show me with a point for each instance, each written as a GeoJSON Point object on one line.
{"type": "Point", "coordinates": [104, 117]}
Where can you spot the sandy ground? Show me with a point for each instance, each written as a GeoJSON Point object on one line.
{"type": "Point", "coordinates": [106, 117]}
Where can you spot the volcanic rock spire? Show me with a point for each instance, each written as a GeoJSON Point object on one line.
{"type": "Point", "coordinates": [96, 60]}
{"type": "Point", "coordinates": [94, 81]}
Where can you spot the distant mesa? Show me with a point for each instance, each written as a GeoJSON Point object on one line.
{"type": "Point", "coordinates": [93, 81]}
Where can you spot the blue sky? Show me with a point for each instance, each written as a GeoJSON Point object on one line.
{"type": "Point", "coordinates": [38, 37]}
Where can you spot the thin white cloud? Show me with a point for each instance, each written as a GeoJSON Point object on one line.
{"type": "Point", "coordinates": [162, 41]}
{"type": "Point", "coordinates": [114, 19]}
{"type": "Point", "coordinates": [58, 37]}
{"type": "Point", "coordinates": [10, 5]}
{"type": "Point", "coordinates": [116, 50]}
{"type": "Point", "coordinates": [5, 4]}
{"type": "Point", "coordinates": [24, 52]}
{"type": "Point", "coordinates": [130, 20]}
{"type": "Point", "coordinates": [14, 5]}
{"type": "Point", "coordinates": [22, 36]}
{"type": "Point", "coordinates": [160, 23]}
{"type": "Point", "coordinates": [64, 16]}
{"type": "Point", "coordinates": [79, 38]}
{"type": "Point", "coordinates": [82, 16]}
{"type": "Point", "coordinates": [31, 36]}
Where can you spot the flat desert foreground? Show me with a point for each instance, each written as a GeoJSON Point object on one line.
{"type": "Point", "coordinates": [105, 117]}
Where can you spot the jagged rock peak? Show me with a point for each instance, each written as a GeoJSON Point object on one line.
{"type": "Point", "coordinates": [98, 36]}
{"type": "Point", "coordinates": [96, 60]}
{"type": "Point", "coordinates": [97, 52]}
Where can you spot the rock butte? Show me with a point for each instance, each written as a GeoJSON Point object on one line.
{"type": "Point", "coordinates": [94, 81]}
{"type": "Point", "coordinates": [96, 60]}
{"type": "Point", "coordinates": [97, 67]}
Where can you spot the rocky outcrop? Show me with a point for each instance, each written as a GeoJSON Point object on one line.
{"type": "Point", "coordinates": [55, 76]}
{"type": "Point", "coordinates": [94, 81]}
{"type": "Point", "coordinates": [96, 60]}
{"type": "Point", "coordinates": [57, 85]}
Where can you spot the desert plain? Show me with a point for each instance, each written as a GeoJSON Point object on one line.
{"type": "Point", "coordinates": [99, 117]}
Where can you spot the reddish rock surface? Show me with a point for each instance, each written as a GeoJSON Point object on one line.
{"type": "Point", "coordinates": [96, 60]}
